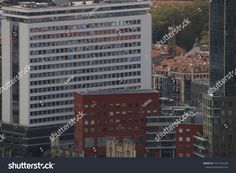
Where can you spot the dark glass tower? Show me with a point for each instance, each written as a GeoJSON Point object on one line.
{"type": "Point", "coordinates": [220, 108]}
{"type": "Point", "coordinates": [223, 45]}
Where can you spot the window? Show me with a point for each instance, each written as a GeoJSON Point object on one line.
{"type": "Point", "coordinates": [92, 122]}
{"type": "Point", "coordinates": [111, 121]}
{"type": "Point", "coordinates": [187, 130]}
{"type": "Point", "coordinates": [187, 139]}
{"type": "Point", "coordinates": [101, 141]}
{"type": "Point", "coordinates": [180, 130]}
{"type": "Point", "coordinates": [86, 122]}
{"type": "Point", "coordinates": [89, 142]}
{"type": "Point", "coordinates": [86, 130]}
{"type": "Point", "coordinates": [180, 138]}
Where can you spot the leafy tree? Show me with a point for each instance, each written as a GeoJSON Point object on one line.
{"type": "Point", "coordinates": [174, 15]}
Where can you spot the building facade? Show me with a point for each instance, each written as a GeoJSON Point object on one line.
{"type": "Point", "coordinates": [166, 147]}
{"type": "Point", "coordinates": [121, 114]}
{"type": "Point", "coordinates": [220, 105]}
{"type": "Point", "coordinates": [69, 47]}
{"type": "Point", "coordinates": [120, 148]}
{"type": "Point", "coordinates": [198, 88]}
{"type": "Point", "coordinates": [172, 77]}
{"type": "Point", "coordinates": [185, 139]}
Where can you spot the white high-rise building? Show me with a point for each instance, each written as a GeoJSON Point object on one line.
{"type": "Point", "coordinates": [70, 47]}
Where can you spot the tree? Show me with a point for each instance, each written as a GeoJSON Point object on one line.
{"type": "Point", "coordinates": [174, 15]}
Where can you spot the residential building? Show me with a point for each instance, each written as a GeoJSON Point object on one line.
{"type": "Point", "coordinates": [172, 77]}
{"type": "Point", "coordinates": [200, 146]}
{"type": "Point", "coordinates": [58, 150]}
{"type": "Point", "coordinates": [198, 88]}
{"type": "Point", "coordinates": [166, 147]}
{"type": "Point", "coordinates": [185, 137]}
{"type": "Point", "coordinates": [120, 148]}
{"type": "Point", "coordinates": [162, 53]}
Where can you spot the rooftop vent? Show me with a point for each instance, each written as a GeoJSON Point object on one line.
{"type": "Point", "coordinates": [62, 3]}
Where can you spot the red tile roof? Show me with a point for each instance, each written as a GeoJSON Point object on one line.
{"type": "Point", "coordinates": [184, 64]}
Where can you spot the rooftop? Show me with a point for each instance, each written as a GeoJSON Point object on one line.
{"type": "Point", "coordinates": [163, 50]}
{"type": "Point", "coordinates": [64, 3]}
{"type": "Point", "coordinates": [184, 64]}
{"type": "Point", "coordinates": [201, 81]}
{"type": "Point", "coordinates": [109, 92]}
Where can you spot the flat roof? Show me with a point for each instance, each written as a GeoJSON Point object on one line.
{"type": "Point", "coordinates": [109, 92]}
{"type": "Point", "coordinates": [74, 5]}
{"type": "Point", "coordinates": [201, 81]}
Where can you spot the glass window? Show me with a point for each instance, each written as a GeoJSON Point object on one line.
{"type": "Point", "coordinates": [187, 139]}
{"type": "Point", "coordinates": [101, 141]}
{"type": "Point", "coordinates": [180, 130]}
{"type": "Point", "coordinates": [187, 155]}
{"type": "Point", "coordinates": [89, 142]}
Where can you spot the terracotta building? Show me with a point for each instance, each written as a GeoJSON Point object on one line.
{"type": "Point", "coordinates": [172, 77]}
{"type": "Point", "coordinates": [159, 54]}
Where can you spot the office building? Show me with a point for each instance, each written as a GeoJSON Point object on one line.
{"type": "Point", "coordinates": [121, 114]}
{"type": "Point", "coordinates": [69, 47]}
{"type": "Point", "coordinates": [166, 147]}
{"type": "Point", "coordinates": [220, 103]}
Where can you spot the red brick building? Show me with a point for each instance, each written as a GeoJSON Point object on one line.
{"type": "Point", "coordinates": [184, 139]}
{"type": "Point", "coordinates": [119, 113]}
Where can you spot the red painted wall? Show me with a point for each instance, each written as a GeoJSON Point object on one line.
{"type": "Point", "coordinates": [133, 124]}
{"type": "Point", "coordinates": [183, 146]}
